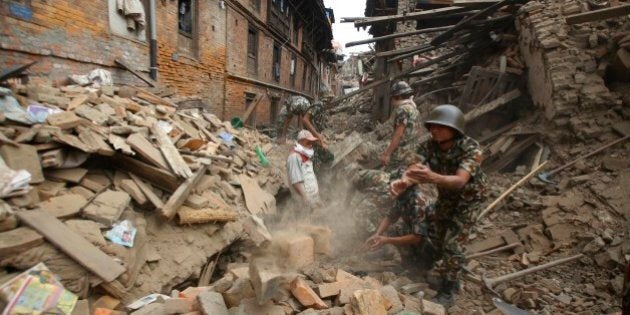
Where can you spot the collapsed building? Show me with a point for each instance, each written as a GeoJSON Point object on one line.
{"type": "Point", "coordinates": [228, 53]}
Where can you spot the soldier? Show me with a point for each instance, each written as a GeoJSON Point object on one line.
{"type": "Point", "coordinates": [406, 118]}
{"type": "Point", "coordinates": [314, 120]}
{"type": "Point", "coordinates": [451, 161]}
{"type": "Point", "coordinates": [404, 227]}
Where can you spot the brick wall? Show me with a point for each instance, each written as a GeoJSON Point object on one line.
{"type": "Point", "coordinates": [239, 20]}
{"type": "Point", "coordinates": [75, 37]}
{"type": "Point", "coordinates": [562, 76]}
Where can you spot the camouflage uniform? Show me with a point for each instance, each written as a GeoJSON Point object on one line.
{"type": "Point", "coordinates": [407, 216]}
{"type": "Point", "coordinates": [293, 106]}
{"type": "Point", "coordinates": [406, 114]}
{"type": "Point", "coordinates": [454, 213]}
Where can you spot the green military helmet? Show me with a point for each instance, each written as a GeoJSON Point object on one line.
{"type": "Point", "coordinates": [401, 88]}
{"type": "Point", "coordinates": [447, 115]}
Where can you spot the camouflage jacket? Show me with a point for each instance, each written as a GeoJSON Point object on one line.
{"type": "Point", "coordinates": [297, 105]}
{"type": "Point", "coordinates": [465, 154]}
{"type": "Point", "coordinates": [406, 114]}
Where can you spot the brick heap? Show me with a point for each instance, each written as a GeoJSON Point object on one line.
{"type": "Point", "coordinates": [564, 77]}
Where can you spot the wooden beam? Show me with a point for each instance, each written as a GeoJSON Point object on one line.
{"type": "Point", "coordinates": [400, 75]}
{"type": "Point", "coordinates": [442, 38]}
{"type": "Point", "coordinates": [413, 53]}
{"type": "Point", "coordinates": [251, 109]}
{"type": "Point", "coordinates": [71, 243]}
{"type": "Point", "coordinates": [395, 52]}
{"type": "Point", "coordinates": [144, 187]}
{"type": "Point", "coordinates": [396, 35]}
{"type": "Point", "coordinates": [486, 108]}
{"type": "Point", "coordinates": [408, 16]}
{"type": "Point", "coordinates": [140, 75]}
{"type": "Point", "coordinates": [181, 194]}
{"type": "Point", "coordinates": [597, 15]}
{"type": "Point", "coordinates": [156, 176]}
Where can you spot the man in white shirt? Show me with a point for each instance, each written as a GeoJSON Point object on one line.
{"type": "Point", "coordinates": [300, 170]}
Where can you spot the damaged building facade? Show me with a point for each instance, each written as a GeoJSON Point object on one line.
{"type": "Point", "coordinates": [227, 52]}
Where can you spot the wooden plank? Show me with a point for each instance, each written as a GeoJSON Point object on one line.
{"type": "Point", "coordinates": [486, 108]}
{"type": "Point", "coordinates": [597, 15]}
{"type": "Point", "coordinates": [408, 16]}
{"type": "Point", "coordinates": [140, 75]}
{"type": "Point", "coordinates": [196, 216]}
{"type": "Point", "coordinates": [145, 149]}
{"type": "Point", "coordinates": [256, 199]}
{"type": "Point", "coordinates": [148, 191]}
{"type": "Point", "coordinates": [75, 246]}
{"type": "Point", "coordinates": [171, 155]}
{"type": "Point", "coordinates": [152, 98]}
{"type": "Point", "coordinates": [181, 194]}
{"type": "Point", "coordinates": [445, 36]}
{"type": "Point", "coordinates": [397, 35]}
{"type": "Point", "coordinates": [156, 176]}
{"type": "Point", "coordinates": [397, 52]}
{"type": "Point", "coordinates": [251, 109]}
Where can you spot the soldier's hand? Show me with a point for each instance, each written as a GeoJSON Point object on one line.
{"type": "Point", "coordinates": [420, 173]}
{"type": "Point", "coordinates": [397, 187]}
{"type": "Point", "coordinates": [323, 142]}
{"type": "Point", "coordinates": [378, 242]}
{"type": "Point", "coordinates": [385, 159]}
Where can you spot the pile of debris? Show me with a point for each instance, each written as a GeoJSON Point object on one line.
{"type": "Point", "coordinates": [270, 284]}
{"type": "Point", "coordinates": [92, 178]}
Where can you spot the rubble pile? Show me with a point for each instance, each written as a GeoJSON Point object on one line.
{"type": "Point", "coordinates": [116, 189]}
{"type": "Point", "coordinates": [283, 278]}
{"type": "Point", "coordinates": [577, 103]}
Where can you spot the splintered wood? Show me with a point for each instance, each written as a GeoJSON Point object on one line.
{"type": "Point", "coordinates": [194, 216]}
{"type": "Point", "coordinates": [172, 156]}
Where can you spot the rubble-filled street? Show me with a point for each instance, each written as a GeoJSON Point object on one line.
{"type": "Point", "coordinates": [239, 158]}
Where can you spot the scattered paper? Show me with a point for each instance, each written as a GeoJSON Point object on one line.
{"type": "Point", "coordinates": [123, 233]}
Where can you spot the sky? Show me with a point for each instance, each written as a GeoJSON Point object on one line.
{"type": "Point", "coordinates": [345, 32]}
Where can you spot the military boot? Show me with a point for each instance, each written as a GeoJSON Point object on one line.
{"type": "Point", "coordinates": [446, 294]}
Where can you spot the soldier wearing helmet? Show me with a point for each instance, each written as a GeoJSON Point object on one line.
{"type": "Point", "coordinates": [406, 121]}
{"type": "Point", "coordinates": [452, 162]}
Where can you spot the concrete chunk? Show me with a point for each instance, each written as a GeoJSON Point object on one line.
{"type": "Point", "coordinates": [64, 120]}
{"type": "Point", "coordinates": [107, 207]}
{"type": "Point", "coordinates": [368, 302]}
{"type": "Point", "coordinates": [212, 304]}
{"type": "Point", "coordinates": [306, 295]}
{"type": "Point", "coordinates": [18, 240]}
{"type": "Point", "coordinates": [64, 206]}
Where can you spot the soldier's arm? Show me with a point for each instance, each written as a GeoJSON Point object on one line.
{"type": "Point", "coordinates": [405, 240]}
{"type": "Point", "coordinates": [306, 120]}
{"type": "Point", "coordinates": [423, 174]}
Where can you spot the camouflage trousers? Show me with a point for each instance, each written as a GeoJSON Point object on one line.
{"type": "Point", "coordinates": [448, 229]}
{"type": "Point", "coordinates": [420, 256]}
{"type": "Point", "coordinates": [321, 158]}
